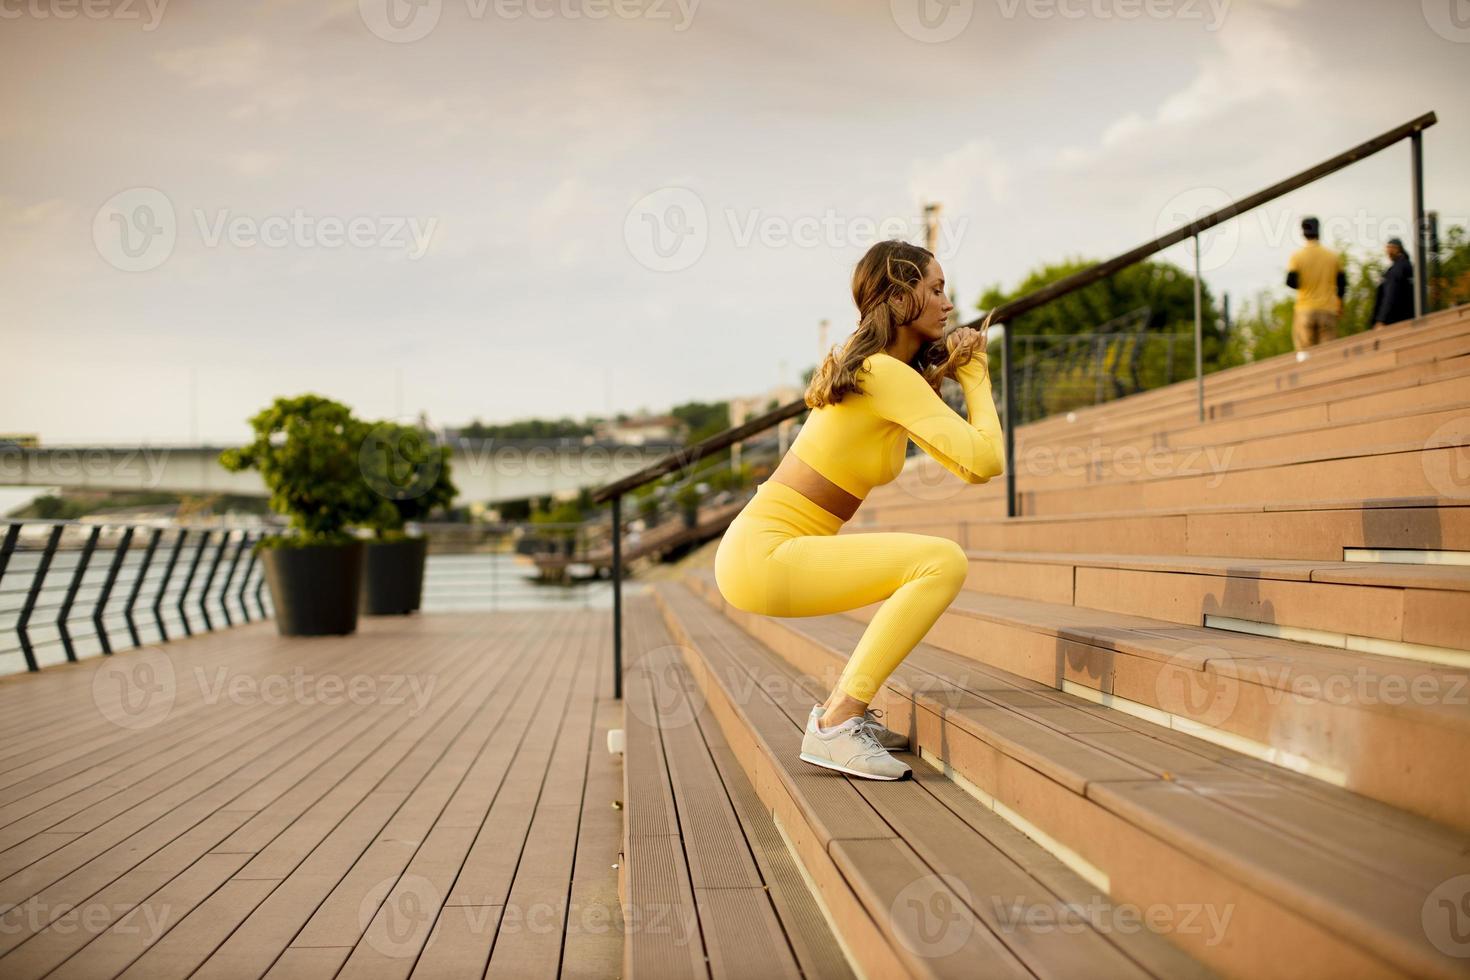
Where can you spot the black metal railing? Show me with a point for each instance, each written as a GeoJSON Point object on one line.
{"type": "Point", "coordinates": [1006, 313]}
{"type": "Point", "coordinates": [84, 587]}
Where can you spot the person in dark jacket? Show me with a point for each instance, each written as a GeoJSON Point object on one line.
{"type": "Point", "coordinates": [1394, 300]}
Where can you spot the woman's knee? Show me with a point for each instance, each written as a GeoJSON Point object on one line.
{"type": "Point", "coordinates": [951, 563]}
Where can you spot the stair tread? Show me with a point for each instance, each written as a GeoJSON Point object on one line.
{"type": "Point", "coordinates": [1354, 872]}
{"type": "Point", "coordinates": [927, 838]}
{"type": "Point", "coordinates": [1402, 576]}
{"type": "Point", "coordinates": [704, 877]}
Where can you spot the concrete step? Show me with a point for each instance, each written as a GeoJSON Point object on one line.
{"type": "Point", "coordinates": [1318, 881]}
{"type": "Point", "coordinates": [918, 878]}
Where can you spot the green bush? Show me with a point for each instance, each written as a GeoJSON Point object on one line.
{"type": "Point", "coordinates": [407, 472]}
{"type": "Point", "coordinates": [306, 450]}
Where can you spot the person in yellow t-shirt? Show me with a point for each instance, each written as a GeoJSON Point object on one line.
{"type": "Point", "coordinates": [1316, 273]}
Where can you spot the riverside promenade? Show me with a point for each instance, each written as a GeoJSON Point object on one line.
{"type": "Point", "coordinates": [431, 796]}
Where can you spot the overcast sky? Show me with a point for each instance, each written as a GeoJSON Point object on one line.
{"type": "Point", "coordinates": [513, 208]}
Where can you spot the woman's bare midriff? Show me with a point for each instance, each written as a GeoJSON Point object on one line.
{"type": "Point", "coordinates": [799, 476]}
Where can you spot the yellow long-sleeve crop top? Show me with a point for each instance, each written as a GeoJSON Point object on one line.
{"type": "Point", "coordinates": [859, 442]}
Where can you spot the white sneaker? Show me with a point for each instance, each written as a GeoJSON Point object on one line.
{"type": "Point", "coordinates": [852, 747]}
{"type": "Point", "coordinates": [887, 737]}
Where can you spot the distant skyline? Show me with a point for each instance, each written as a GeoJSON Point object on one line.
{"type": "Point", "coordinates": [504, 209]}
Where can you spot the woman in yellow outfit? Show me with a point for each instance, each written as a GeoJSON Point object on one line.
{"type": "Point", "coordinates": [783, 556]}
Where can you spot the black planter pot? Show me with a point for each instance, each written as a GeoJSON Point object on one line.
{"type": "Point", "coordinates": [393, 576]}
{"type": "Point", "coordinates": [315, 589]}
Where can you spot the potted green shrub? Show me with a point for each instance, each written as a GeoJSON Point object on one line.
{"type": "Point", "coordinates": [407, 472]}
{"type": "Point", "coordinates": [306, 450]}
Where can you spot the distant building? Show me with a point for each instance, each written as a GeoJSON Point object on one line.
{"type": "Point", "coordinates": [23, 440]}
{"type": "Point", "coordinates": [644, 429]}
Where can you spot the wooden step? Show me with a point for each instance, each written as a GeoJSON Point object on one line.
{"type": "Point", "coordinates": [1099, 464]}
{"type": "Point", "coordinates": [1420, 606]}
{"type": "Point", "coordinates": [1319, 530]}
{"type": "Point", "coordinates": [1390, 729]}
{"type": "Point", "coordinates": [708, 886]}
{"type": "Point", "coordinates": [918, 878]}
{"type": "Point", "coordinates": [1435, 338]}
{"type": "Point", "coordinates": [1320, 881]}
{"type": "Point", "coordinates": [1257, 403]}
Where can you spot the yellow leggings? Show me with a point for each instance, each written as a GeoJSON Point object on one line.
{"type": "Point", "coordinates": [782, 556]}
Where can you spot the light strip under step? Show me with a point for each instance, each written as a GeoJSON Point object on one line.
{"type": "Point", "coordinates": [1406, 556]}
{"type": "Point", "coordinates": [1208, 733]}
{"type": "Point", "coordinates": [1420, 652]}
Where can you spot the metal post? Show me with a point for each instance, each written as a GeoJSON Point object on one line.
{"type": "Point", "coordinates": [1008, 403]}
{"type": "Point", "coordinates": [1421, 227]}
{"type": "Point", "coordinates": [35, 592]}
{"type": "Point", "coordinates": [617, 575]}
{"type": "Point", "coordinates": [1199, 333]}
{"type": "Point", "coordinates": [168, 573]}
{"type": "Point", "coordinates": [71, 593]}
{"type": "Point", "coordinates": [245, 581]}
{"type": "Point", "coordinates": [111, 580]}
{"type": "Point", "coordinates": [224, 589]}
{"type": "Point", "coordinates": [219, 554]}
{"type": "Point", "coordinates": [189, 580]}
{"type": "Point", "coordinates": [137, 588]}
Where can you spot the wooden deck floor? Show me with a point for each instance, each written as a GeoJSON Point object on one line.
{"type": "Point", "coordinates": [430, 797]}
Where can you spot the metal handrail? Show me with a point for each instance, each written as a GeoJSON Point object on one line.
{"type": "Point", "coordinates": [226, 556]}
{"type": "Point", "coordinates": [1412, 130]}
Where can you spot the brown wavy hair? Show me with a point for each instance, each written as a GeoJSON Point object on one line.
{"type": "Point", "coordinates": [885, 287]}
